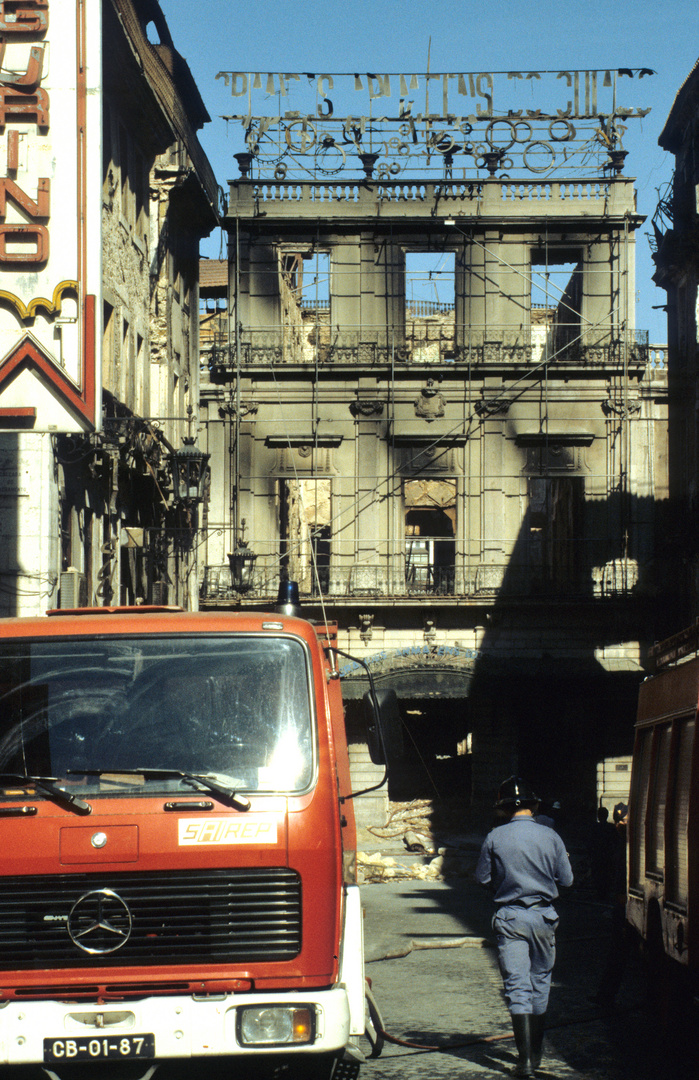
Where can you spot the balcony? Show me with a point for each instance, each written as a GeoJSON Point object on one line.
{"type": "Point", "coordinates": [486, 199]}
{"type": "Point", "coordinates": [427, 340]}
{"type": "Point", "coordinates": [569, 570]}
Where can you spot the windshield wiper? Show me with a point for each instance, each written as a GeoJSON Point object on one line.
{"type": "Point", "coordinates": [240, 802]}
{"type": "Point", "coordinates": [48, 786]}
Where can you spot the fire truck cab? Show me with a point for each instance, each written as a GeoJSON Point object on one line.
{"type": "Point", "coordinates": [177, 844]}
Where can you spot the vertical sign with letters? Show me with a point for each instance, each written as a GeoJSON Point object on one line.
{"type": "Point", "coordinates": [50, 213]}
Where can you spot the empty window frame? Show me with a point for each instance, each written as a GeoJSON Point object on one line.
{"type": "Point", "coordinates": [305, 532]}
{"type": "Point", "coordinates": [430, 546]}
{"type": "Point", "coordinates": [430, 296]}
{"type": "Point", "coordinates": [555, 523]}
{"type": "Point", "coordinates": [556, 298]}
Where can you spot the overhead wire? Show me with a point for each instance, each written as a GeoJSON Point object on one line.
{"type": "Point", "coordinates": [463, 427]}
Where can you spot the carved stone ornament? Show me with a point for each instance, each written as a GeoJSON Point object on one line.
{"type": "Point", "coordinates": [619, 407]}
{"type": "Point", "coordinates": [430, 403]}
{"type": "Point", "coordinates": [305, 460]}
{"type": "Point", "coordinates": [437, 459]}
{"type": "Point", "coordinates": [493, 406]}
{"type": "Point", "coordinates": [367, 407]}
{"type": "Point", "coordinates": [248, 409]}
{"type": "Point", "coordinates": [555, 459]}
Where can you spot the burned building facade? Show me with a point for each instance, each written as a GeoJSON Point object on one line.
{"type": "Point", "coordinates": [429, 405]}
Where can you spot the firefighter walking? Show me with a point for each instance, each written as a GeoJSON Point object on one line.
{"type": "Point", "coordinates": [524, 863]}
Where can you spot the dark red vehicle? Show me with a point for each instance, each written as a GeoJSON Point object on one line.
{"type": "Point", "coordinates": [177, 844]}
{"type": "Point", "coordinates": [663, 893]}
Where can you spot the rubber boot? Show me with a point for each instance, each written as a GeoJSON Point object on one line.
{"type": "Point", "coordinates": [537, 1025]}
{"type": "Point", "coordinates": [522, 1027]}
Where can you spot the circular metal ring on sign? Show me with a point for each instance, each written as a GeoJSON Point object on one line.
{"type": "Point", "coordinates": [280, 172]}
{"type": "Point", "coordinates": [323, 153]}
{"type": "Point", "coordinates": [507, 163]}
{"type": "Point", "coordinates": [570, 131]}
{"type": "Point", "coordinates": [539, 168]}
{"type": "Point", "coordinates": [489, 134]}
{"type": "Point", "coordinates": [465, 128]}
{"type": "Point", "coordinates": [308, 137]}
{"type": "Point", "coordinates": [445, 144]}
{"type": "Point", "coordinates": [517, 124]}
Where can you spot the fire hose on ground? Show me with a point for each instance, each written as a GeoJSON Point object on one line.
{"type": "Point", "coordinates": [376, 1031]}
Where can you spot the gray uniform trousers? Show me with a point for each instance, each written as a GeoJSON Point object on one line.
{"type": "Point", "coordinates": [526, 941]}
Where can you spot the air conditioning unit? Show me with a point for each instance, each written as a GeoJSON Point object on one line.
{"type": "Point", "coordinates": [72, 589]}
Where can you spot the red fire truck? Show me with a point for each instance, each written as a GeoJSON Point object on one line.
{"type": "Point", "coordinates": [663, 895]}
{"type": "Point", "coordinates": [177, 844]}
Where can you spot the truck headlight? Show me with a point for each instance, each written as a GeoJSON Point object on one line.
{"type": "Point", "coordinates": [273, 1025]}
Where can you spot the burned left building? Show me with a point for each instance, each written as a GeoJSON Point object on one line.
{"type": "Point", "coordinates": [430, 405]}
{"type": "Point", "coordinates": [106, 193]}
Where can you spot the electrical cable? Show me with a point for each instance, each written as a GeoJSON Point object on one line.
{"type": "Point", "coordinates": [480, 1040]}
{"type": "Point", "coordinates": [462, 427]}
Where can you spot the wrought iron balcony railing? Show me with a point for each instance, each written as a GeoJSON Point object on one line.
{"type": "Point", "coordinates": [420, 342]}
{"type": "Point", "coordinates": [563, 569]}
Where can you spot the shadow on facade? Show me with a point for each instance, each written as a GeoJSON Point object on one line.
{"type": "Point", "coordinates": [550, 692]}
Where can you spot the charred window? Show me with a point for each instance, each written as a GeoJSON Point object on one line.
{"type": "Point", "coordinates": [429, 535]}
{"type": "Point", "coordinates": [556, 300]}
{"type": "Point", "coordinates": [305, 532]}
{"type": "Point", "coordinates": [555, 530]}
{"type": "Point", "coordinates": [430, 290]}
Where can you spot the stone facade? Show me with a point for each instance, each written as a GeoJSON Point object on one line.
{"type": "Point", "coordinates": [469, 486]}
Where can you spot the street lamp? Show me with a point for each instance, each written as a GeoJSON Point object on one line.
{"type": "Point", "coordinates": [242, 563]}
{"type": "Point", "coordinates": [189, 471]}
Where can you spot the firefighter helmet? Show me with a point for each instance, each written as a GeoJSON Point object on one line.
{"type": "Point", "coordinates": [516, 792]}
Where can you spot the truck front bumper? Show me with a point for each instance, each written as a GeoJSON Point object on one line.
{"type": "Point", "coordinates": [51, 1032]}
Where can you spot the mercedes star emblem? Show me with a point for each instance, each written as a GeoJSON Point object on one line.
{"type": "Point", "coordinates": [100, 922]}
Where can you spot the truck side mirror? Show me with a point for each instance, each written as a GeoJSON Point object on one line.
{"type": "Point", "coordinates": [383, 726]}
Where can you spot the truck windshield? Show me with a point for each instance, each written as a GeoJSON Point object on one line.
{"type": "Point", "coordinates": [234, 708]}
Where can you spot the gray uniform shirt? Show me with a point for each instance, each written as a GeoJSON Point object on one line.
{"type": "Point", "coordinates": [524, 863]}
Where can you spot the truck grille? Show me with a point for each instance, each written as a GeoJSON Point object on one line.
{"type": "Point", "coordinates": [178, 917]}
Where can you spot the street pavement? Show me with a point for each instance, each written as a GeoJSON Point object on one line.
{"type": "Point", "coordinates": [434, 975]}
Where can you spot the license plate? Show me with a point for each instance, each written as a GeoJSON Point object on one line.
{"type": "Point", "coordinates": [99, 1047]}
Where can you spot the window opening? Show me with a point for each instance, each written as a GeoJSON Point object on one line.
{"type": "Point", "coordinates": [305, 533]}
{"type": "Point", "coordinates": [430, 294]}
{"type": "Point", "coordinates": [555, 561]}
{"type": "Point", "coordinates": [556, 302]}
{"type": "Point", "coordinates": [429, 535]}
{"type": "Point", "coordinates": [305, 298]}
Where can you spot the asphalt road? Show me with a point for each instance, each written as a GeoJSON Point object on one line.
{"type": "Point", "coordinates": [450, 997]}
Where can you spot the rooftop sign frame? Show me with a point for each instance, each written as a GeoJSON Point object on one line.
{"type": "Point", "coordinates": [434, 125]}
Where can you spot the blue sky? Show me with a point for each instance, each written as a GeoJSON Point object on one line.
{"type": "Point", "coordinates": [395, 35]}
